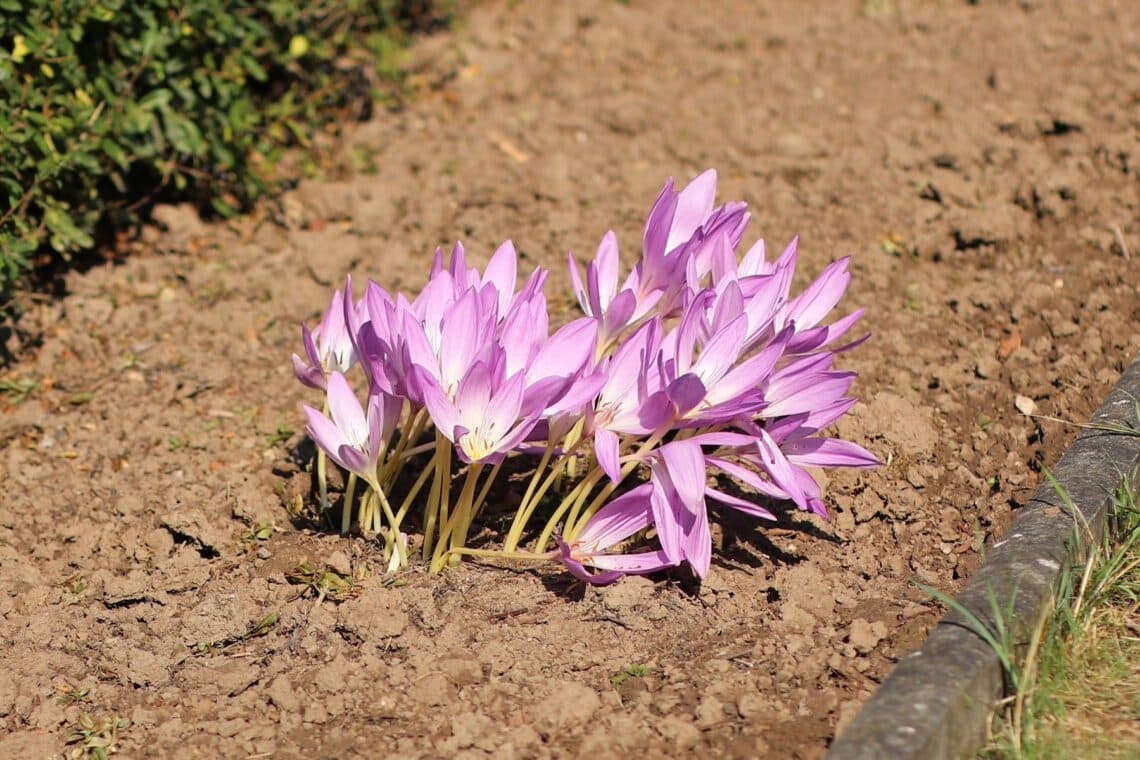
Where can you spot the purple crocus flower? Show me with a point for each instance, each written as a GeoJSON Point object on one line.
{"type": "Point", "coordinates": [613, 523]}
{"type": "Point", "coordinates": [328, 348]}
{"type": "Point", "coordinates": [483, 420]}
{"type": "Point", "coordinates": [599, 296]}
{"type": "Point", "coordinates": [629, 401]}
{"type": "Point", "coordinates": [353, 438]}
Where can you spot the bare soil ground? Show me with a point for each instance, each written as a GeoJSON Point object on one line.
{"type": "Point", "coordinates": [980, 162]}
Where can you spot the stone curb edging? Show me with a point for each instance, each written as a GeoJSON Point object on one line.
{"type": "Point", "coordinates": [936, 702]}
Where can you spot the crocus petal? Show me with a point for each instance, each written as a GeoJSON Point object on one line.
{"type": "Point", "coordinates": [689, 330]}
{"type": "Point", "coordinates": [664, 503]}
{"type": "Point", "coordinates": [686, 466]}
{"type": "Point", "coordinates": [345, 324]}
{"type": "Point", "coordinates": [742, 505]}
{"type": "Point", "coordinates": [330, 438]}
{"type": "Point", "coordinates": [458, 339]}
{"type": "Point", "coordinates": [351, 459]}
{"type": "Point", "coordinates": [721, 352]}
{"type": "Point", "coordinates": [322, 430]}
{"type": "Point", "coordinates": [308, 374]}
{"type": "Point", "coordinates": [617, 520]}
{"type": "Point", "coordinates": [750, 372]}
{"type": "Point", "coordinates": [310, 346]}
{"type": "Point", "coordinates": [578, 570]}
{"type": "Point", "coordinates": [829, 452]}
{"type": "Point", "coordinates": [779, 469]}
{"type": "Point", "coordinates": [816, 337]}
{"type": "Point", "coordinates": [457, 266]}
{"type": "Point", "coordinates": [753, 262]}
{"type": "Point", "coordinates": [576, 283]}
{"type": "Point", "coordinates": [607, 262]}
{"type": "Point", "coordinates": [657, 228]}
{"type": "Point", "coordinates": [729, 306]}
{"type": "Point", "coordinates": [619, 313]}
{"type": "Point", "coordinates": [698, 544]}
{"type": "Point", "coordinates": [502, 272]}
{"type": "Point", "coordinates": [374, 420]}
{"type": "Point", "coordinates": [638, 563]}
{"type": "Point", "coordinates": [606, 449]}
{"type": "Point", "coordinates": [346, 411]}
{"type": "Point", "coordinates": [502, 411]}
{"type": "Point", "coordinates": [685, 393]}
{"type": "Point", "coordinates": [442, 411]}
{"type": "Point", "coordinates": [818, 298]}
{"type": "Point", "coordinates": [693, 205]}
{"type": "Point", "coordinates": [748, 477]}
{"type": "Point", "coordinates": [808, 393]}
{"type": "Point", "coordinates": [566, 351]}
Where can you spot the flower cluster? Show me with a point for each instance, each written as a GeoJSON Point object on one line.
{"type": "Point", "coordinates": [700, 361]}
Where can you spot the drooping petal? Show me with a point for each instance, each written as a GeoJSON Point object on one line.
{"type": "Point", "coordinates": [638, 563]}
{"type": "Point", "coordinates": [686, 464]}
{"type": "Point", "coordinates": [664, 502]}
{"type": "Point", "coordinates": [579, 571]}
{"type": "Point", "coordinates": [808, 393]}
{"type": "Point", "coordinates": [698, 543]}
{"type": "Point", "coordinates": [779, 469]}
{"type": "Point", "coordinates": [748, 477]}
{"type": "Point", "coordinates": [309, 375]}
{"type": "Point", "coordinates": [606, 449]}
{"type": "Point", "coordinates": [817, 337]}
{"type": "Point", "coordinates": [617, 520]}
{"type": "Point", "coordinates": [828, 452]}
{"type": "Point", "coordinates": [742, 505]}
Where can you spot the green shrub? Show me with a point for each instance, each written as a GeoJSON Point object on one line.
{"type": "Point", "coordinates": [109, 105]}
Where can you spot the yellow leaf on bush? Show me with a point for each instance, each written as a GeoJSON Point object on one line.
{"type": "Point", "coordinates": [19, 49]}
{"type": "Point", "coordinates": [298, 46]}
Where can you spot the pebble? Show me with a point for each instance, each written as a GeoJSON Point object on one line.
{"type": "Point", "coordinates": [1024, 404]}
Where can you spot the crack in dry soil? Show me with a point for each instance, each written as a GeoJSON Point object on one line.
{"type": "Point", "coordinates": [979, 162]}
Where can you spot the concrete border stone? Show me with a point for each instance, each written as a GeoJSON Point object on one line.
{"type": "Point", "coordinates": [937, 701]}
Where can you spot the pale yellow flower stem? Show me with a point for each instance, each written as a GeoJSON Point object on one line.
{"type": "Point", "coordinates": [323, 469]}
{"type": "Point", "coordinates": [395, 463]}
{"type": "Point", "coordinates": [453, 531]}
{"type": "Point", "coordinates": [349, 494]}
{"type": "Point", "coordinates": [436, 513]}
{"type": "Point", "coordinates": [574, 524]}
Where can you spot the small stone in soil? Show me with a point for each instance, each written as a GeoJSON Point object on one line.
{"type": "Point", "coordinates": [865, 635]}
{"type": "Point", "coordinates": [1024, 404]}
{"type": "Point", "coordinates": [569, 704]}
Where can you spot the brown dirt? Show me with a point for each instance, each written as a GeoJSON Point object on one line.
{"type": "Point", "coordinates": [978, 159]}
